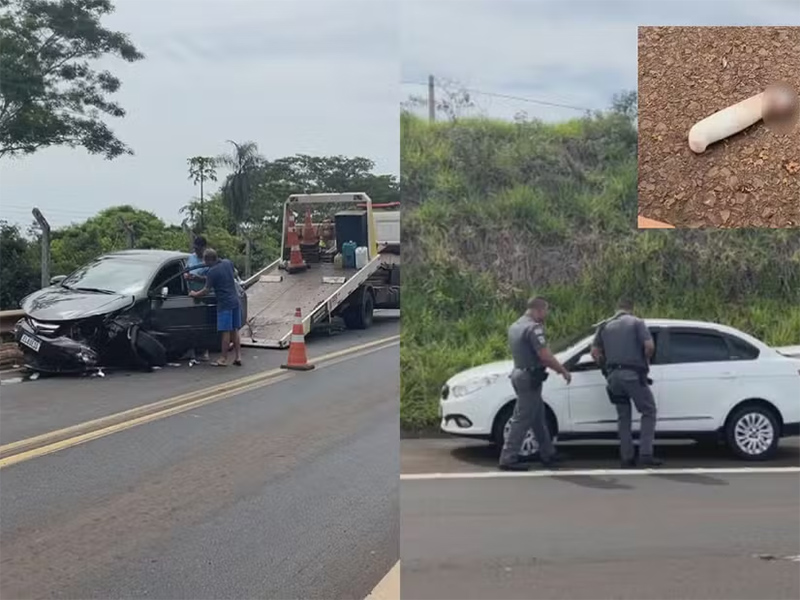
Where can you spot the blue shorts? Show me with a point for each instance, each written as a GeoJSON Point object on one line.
{"type": "Point", "coordinates": [229, 320]}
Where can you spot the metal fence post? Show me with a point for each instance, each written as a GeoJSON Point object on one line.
{"type": "Point", "coordinates": [37, 214]}
{"type": "Point", "coordinates": [247, 253]}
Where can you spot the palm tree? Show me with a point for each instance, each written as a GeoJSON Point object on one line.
{"type": "Point", "coordinates": [202, 169]}
{"type": "Point", "coordinates": [239, 185]}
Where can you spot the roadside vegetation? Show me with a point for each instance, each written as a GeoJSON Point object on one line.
{"type": "Point", "coordinates": [245, 212]}
{"type": "Point", "coordinates": [494, 211]}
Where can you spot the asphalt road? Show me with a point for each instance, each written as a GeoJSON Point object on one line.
{"type": "Point", "coordinates": [681, 536]}
{"type": "Point", "coordinates": [448, 455]}
{"type": "Point", "coordinates": [286, 491]}
{"type": "Point", "coordinates": [29, 407]}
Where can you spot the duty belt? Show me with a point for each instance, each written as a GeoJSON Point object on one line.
{"type": "Point", "coordinates": [539, 374]}
{"type": "Point", "coordinates": [618, 367]}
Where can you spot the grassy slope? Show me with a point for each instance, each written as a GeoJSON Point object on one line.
{"type": "Point", "coordinates": [494, 211]}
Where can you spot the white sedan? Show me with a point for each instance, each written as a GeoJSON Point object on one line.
{"type": "Point", "coordinates": [710, 381]}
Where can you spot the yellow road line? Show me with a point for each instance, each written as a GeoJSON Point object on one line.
{"type": "Point", "coordinates": [91, 430]}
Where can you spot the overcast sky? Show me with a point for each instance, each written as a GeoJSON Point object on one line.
{"type": "Point", "coordinates": [296, 76]}
{"type": "Point", "coordinates": [575, 52]}
{"type": "Point", "coordinates": [324, 77]}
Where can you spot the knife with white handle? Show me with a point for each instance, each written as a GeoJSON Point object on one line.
{"type": "Point", "coordinates": [726, 122]}
{"type": "Point", "coordinates": [733, 119]}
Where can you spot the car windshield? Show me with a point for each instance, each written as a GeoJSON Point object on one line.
{"type": "Point", "coordinates": [110, 275]}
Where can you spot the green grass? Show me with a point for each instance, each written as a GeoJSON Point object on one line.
{"type": "Point", "coordinates": [494, 212]}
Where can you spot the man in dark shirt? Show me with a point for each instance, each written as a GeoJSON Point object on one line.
{"type": "Point", "coordinates": [221, 278]}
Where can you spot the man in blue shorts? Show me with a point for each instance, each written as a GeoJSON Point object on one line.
{"type": "Point", "coordinates": [222, 279]}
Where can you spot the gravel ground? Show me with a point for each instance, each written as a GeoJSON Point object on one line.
{"type": "Point", "coordinates": [751, 179]}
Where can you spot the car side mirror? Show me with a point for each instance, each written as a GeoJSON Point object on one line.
{"type": "Point", "coordinates": [57, 279]}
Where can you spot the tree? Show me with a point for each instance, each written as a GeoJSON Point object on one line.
{"type": "Point", "coordinates": [77, 244]}
{"type": "Point", "coordinates": [19, 269]}
{"type": "Point", "coordinates": [50, 94]}
{"type": "Point", "coordinates": [626, 104]}
{"type": "Point", "coordinates": [202, 169]}
{"type": "Point", "coordinates": [237, 190]}
{"type": "Point", "coordinates": [302, 173]}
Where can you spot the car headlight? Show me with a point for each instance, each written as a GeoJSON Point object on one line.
{"type": "Point", "coordinates": [465, 389]}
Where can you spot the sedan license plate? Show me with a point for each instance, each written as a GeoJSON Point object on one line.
{"type": "Point", "coordinates": [30, 342]}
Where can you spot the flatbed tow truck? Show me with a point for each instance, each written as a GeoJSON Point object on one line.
{"type": "Point", "coordinates": [326, 295]}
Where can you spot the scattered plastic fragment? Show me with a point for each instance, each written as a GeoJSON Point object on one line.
{"type": "Point", "coordinates": [34, 376]}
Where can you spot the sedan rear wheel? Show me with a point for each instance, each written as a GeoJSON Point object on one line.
{"type": "Point", "coordinates": [752, 433]}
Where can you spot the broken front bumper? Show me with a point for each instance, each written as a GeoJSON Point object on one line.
{"type": "Point", "coordinates": [57, 354]}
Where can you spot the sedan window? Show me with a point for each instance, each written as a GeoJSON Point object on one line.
{"type": "Point", "coordinates": [170, 277]}
{"type": "Point", "coordinates": [741, 350]}
{"type": "Point", "coordinates": [694, 346]}
{"type": "Point", "coordinates": [110, 274]}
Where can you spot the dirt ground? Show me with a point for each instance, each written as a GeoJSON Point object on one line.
{"type": "Point", "coordinates": [751, 179]}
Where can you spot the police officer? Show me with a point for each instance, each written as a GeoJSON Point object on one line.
{"type": "Point", "coordinates": [531, 358]}
{"type": "Point", "coordinates": [623, 347]}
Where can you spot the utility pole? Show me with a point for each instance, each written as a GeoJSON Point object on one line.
{"type": "Point", "coordinates": [431, 100]}
{"type": "Point", "coordinates": [189, 233]}
{"type": "Point", "coordinates": [130, 234]}
{"type": "Point", "coordinates": [37, 214]}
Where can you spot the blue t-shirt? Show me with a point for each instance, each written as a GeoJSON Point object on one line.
{"type": "Point", "coordinates": [221, 277]}
{"type": "Point", "coordinates": [196, 284]}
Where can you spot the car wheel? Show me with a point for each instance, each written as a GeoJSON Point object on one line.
{"type": "Point", "coordinates": [530, 446]}
{"type": "Point", "coordinates": [148, 349]}
{"type": "Point", "coordinates": [359, 314]}
{"type": "Point", "coordinates": [752, 432]}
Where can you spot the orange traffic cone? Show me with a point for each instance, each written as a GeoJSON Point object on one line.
{"type": "Point", "coordinates": [296, 262]}
{"type": "Point", "coordinates": [298, 360]}
{"type": "Point", "coordinates": [309, 233]}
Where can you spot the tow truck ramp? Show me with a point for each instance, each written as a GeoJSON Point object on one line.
{"type": "Point", "coordinates": [275, 295]}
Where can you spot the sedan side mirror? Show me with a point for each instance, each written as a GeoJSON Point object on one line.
{"type": "Point", "coordinates": [57, 279]}
{"type": "Point", "coordinates": [159, 294]}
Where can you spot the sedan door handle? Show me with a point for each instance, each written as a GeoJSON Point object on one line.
{"type": "Point", "coordinates": [728, 376]}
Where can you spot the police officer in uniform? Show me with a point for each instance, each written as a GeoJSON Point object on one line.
{"type": "Point", "coordinates": [531, 359]}
{"type": "Point", "coordinates": [623, 347]}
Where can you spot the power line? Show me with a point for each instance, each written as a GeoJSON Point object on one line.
{"type": "Point", "coordinates": [510, 97]}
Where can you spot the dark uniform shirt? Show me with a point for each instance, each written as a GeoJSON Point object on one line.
{"type": "Point", "coordinates": [221, 277]}
{"type": "Point", "coordinates": [622, 340]}
{"type": "Point", "coordinates": [526, 338]}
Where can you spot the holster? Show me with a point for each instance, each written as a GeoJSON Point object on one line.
{"type": "Point", "coordinates": [616, 399]}
{"type": "Point", "coordinates": [539, 376]}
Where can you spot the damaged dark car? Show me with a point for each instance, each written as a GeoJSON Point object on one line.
{"type": "Point", "coordinates": [129, 308]}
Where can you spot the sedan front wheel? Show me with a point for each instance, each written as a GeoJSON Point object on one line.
{"type": "Point", "coordinates": [530, 445]}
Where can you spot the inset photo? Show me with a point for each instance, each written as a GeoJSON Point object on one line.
{"type": "Point", "coordinates": [719, 141]}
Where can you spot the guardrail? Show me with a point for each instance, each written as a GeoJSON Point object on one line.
{"type": "Point", "coordinates": [9, 318]}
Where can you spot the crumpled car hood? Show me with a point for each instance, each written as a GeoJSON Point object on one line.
{"type": "Point", "coordinates": [62, 304]}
